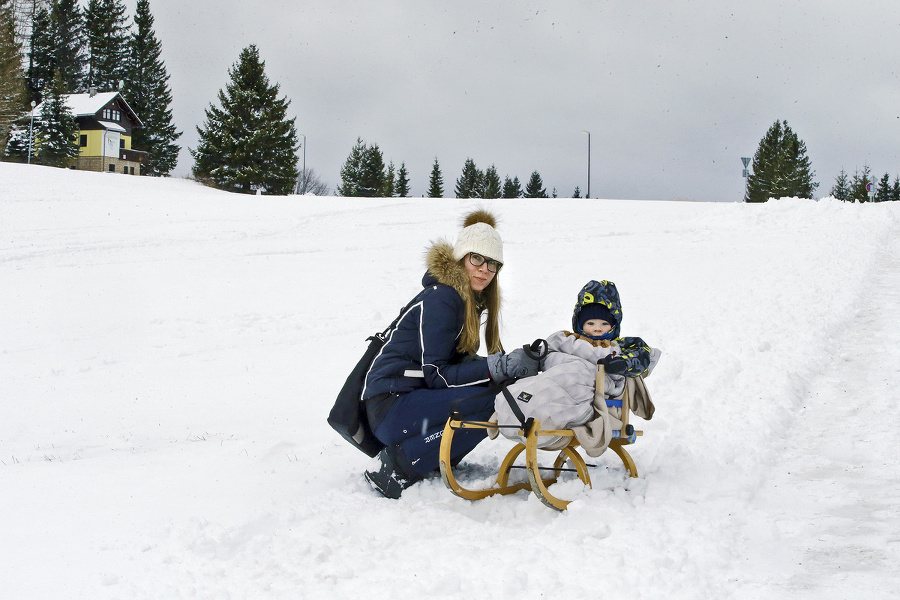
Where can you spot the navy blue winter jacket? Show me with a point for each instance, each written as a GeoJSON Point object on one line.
{"type": "Point", "coordinates": [420, 350]}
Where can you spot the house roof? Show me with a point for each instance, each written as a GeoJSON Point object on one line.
{"type": "Point", "coordinates": [87, 105]}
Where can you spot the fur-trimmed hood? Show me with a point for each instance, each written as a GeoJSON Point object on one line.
{"type": "Point", "coordinates": [445, 269]}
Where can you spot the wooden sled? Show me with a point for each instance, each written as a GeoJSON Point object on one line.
{"type": "Point", "coordinates": [531, 431]}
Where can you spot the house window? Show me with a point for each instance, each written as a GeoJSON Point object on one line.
{"type": "Point", "coordinates": [125, 170]}
{"type": "Point", "coordinates": [121, 143]}
{"type": "Point", "coordinates": [111, 114]}
{"type": "Point", "coordinates": [82, 140]}
{"type": "Point", "coordinates": [112, 168]}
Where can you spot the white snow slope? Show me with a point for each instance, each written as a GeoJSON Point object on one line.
{"type": "Point", "coordinates": [169, 353]}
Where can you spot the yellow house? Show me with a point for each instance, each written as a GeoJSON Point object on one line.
{"type": "Point", "coordinates": [105, 123]}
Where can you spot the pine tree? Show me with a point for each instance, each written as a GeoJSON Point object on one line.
{"type": "Point", "coordinates": [490, 187]}
{"type": "Point", "coordinates": [577, 192]}
{"type": "Point", "coordinates": [780, 167]}
{"type": "Point", "coordinates": [147, 92]}
{"type": "Point", "coordinates": [841, 188]}
{"type": "Point", "coordinates": [436, 181]}
{"type": "Point", "coordinates": [249, 144]}
{"type": "Point", "coordinates": [12, 88]}
{"type": "Point", "coordinates": [535, 187]}
{"type": "Point", "coordinates": [55, 130]}
{"type": "Point", "coordinates": [40, 55]}
{"type": "Point", "coordinates": [469, 183]}
{"type": "Point", "coordinates": [895, 190]}
{"type": "Point", "coordinates": [858, 191]}
{"type": "Point", "coordinates": [107, 43]}
{"type": "Point", "coordinates": [883, 193]}
{"type": "Point", "coordinates": [363, 174]}
{"type": "Point", "coordinates": [372, 183]}
{"type": "Point", "coordinates": [387, 188]}
{"type": "Point", "coordinates": [402, 182]}
{"type": "Point", "coordinates": [57, 45]}
{"type": "Point", "coordinates": [351, 172]}
{"type": "Point", "coordinates": [512, 188]}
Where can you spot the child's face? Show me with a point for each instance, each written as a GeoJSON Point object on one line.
{"type": "Point", "coordinates": [596, 327]}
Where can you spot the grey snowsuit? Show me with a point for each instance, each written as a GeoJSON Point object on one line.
{"type": "Point", "coordinates": [562, 395]}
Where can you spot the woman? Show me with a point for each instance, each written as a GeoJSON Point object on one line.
{"type": "Point", "coordinates": [428, 366]}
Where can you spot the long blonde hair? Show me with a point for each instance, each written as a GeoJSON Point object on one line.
{"type": "Point", "coordinates": [489, 300]}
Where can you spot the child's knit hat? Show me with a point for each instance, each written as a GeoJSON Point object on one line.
{"type": "Point", "coordinates": [595, 311]}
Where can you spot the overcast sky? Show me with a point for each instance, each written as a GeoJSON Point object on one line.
{"type": "Point", "coordinates": [673, 93]}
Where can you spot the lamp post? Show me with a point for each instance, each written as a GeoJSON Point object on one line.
{"type": "Point", "coordinates": [588, 195]}
{"type": "Point", "coordinates": [746, 161]}
{"type": "Point", "coordinates": [303, 177]}
{"type": "Point", "coordinates": [31, 131]}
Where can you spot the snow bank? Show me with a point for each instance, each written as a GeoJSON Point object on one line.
{"type": "Point", "coordinates": [170, 352]}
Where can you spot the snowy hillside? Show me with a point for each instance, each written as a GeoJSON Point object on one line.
{"type": "Point", "coordinates": [169, 353]}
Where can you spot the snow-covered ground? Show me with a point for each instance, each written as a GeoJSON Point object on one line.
{"type": "Point", "coordinates": [169, 353]}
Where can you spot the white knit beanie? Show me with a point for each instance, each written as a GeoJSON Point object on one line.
{"type": "Point", "coordinates": [479, 236]}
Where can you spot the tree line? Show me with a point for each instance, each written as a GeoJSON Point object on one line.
{"type": "Point", "coordinates": [365, 174]}
{"type": "Point", "coordinates": [247, 143]}
{"type": "Point", "coordinates": [74, 50]}
{"type": "Point", "coordinates": [781, 169]}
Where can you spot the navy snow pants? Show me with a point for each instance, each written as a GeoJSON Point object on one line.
{"type": "Point", "coordinates": [416, 420]}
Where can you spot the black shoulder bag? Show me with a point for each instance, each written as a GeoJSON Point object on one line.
{"type": "Point", "coordinates": [348, 415]}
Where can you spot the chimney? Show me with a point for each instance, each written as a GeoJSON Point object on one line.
{"type": "Point", "coordinates": [92, 91]}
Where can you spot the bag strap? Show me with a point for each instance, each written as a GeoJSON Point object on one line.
{"type": "Point", "coordinates": [383, 335]}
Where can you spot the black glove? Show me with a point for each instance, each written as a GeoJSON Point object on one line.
{"type": "Point", "coordinates": [614, 365]}
{"type": "Point", "coordinates": [515, 365]}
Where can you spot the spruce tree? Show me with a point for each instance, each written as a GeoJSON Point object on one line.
{"type": "Point", "coordinates": [41, 58]}
{"type": "Point", "coordinates": [402, 188]}
{"type": "Point", "coordinates": [512, 188]}
{"type": "Point", "coordinates": [895, 190]}
{"type": "Point", "coordinates": [883, 193]}
{"type": "Point", "coordinates": [858, 191]}
{"type": "Point", "coordinates": [841, 187]}
{"type": "Point", "coordinates": [387, 186]}
{"type": "Point", "coordinates": [107, 44]}
{"type": "Point", "coordinates": [12, 83]}
{"type": "Point", "coordinates": [351, 172]}
{"type": "Point", "coordinates": [57, 45]}
{"type": "Point", "coordinates": [577, 192]}
{"type": "Point", "coordinates": [147, 92]}
{"type": "Point", "coordinates": [436, 181]}
{"type": "Point", "coordinates": [55, 130]}
{"type": "Point", "coordinates": [490, 187]}
{"type": "Point", "coordinates": [535, 187]}
{"type": "Point", "coordinates": [469, 183]}
{"type": "Point", "coordinates": [780, 167]}
{"type": "Point", "coordinates": [248, 144]}
{"type": "Point", "coordinates": [363, 174]}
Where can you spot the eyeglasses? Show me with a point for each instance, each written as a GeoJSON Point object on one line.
{"type": "Point", "coordinates": [477, 260]}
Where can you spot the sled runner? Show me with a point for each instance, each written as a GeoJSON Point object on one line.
{"type": "Point", "coordinates": [531, 431]}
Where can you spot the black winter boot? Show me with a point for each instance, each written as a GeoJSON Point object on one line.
{"type": "Point", "coordinates": [391, 478]}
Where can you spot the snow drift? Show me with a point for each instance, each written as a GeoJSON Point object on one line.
{"type": "Point", "coordinates": [169, 353]}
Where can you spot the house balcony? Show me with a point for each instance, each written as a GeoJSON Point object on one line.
{"type": "Point", "coordinates": [137, 156]}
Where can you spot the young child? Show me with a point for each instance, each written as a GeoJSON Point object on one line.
{"type": "Point", "coordinates": [562, 395]}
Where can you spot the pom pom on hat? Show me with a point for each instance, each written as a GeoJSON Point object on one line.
{"type": "Point", "coordinates": [480, 236]}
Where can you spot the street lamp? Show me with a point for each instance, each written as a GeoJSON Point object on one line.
{"type": "Point", "coordinates": [588, 195]}
{"type": "Point", "coordinates": [303, 177]}
{"type": "Point", "coordinates": [31, 131]}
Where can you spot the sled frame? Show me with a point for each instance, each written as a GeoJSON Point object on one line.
{"type": "Point", "coordinates": [536, 482]}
